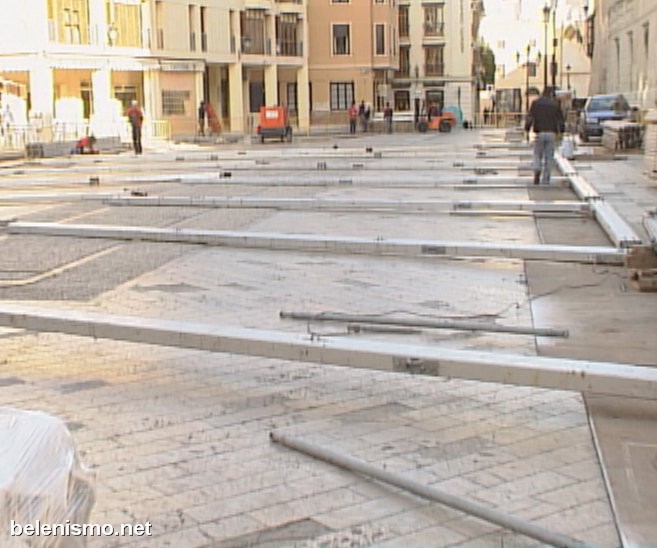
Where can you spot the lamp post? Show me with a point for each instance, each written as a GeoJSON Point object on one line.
{"type": "Point", "coordinates": [546, 20]}
{"type": "Point", "coordinates": [568, 68]}
{"type": "Point", "coordinates": [555, 41]}
{"type": "Point", "coordinates": [527, 79]}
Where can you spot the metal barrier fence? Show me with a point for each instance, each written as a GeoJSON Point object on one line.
{"type": "Point", "coordinates": [499, 119]}
{"type": "Point", "coordinates": [18, 136]}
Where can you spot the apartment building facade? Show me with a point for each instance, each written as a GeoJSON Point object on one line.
{"type": "Point", "coordinates": [353, 55]}
{"type": "Point", "coordinates": [85, 60]}
{"type": "Point", "coordinates": [438, 55]}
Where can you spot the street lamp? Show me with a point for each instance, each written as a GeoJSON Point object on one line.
{"type": "Point", "coordinates": [555, 42]}
{"type": "Point", "coordinates": [529, 47]}
{"type": "Point", "coordinates": [568, 67]}
{"type": "Point", "coordinates": [546, 20]}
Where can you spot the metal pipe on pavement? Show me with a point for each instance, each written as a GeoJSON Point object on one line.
{"type": "Point", "coordinates": [431, 493]}
{"type": "Point", "coordinates": [431, 324]}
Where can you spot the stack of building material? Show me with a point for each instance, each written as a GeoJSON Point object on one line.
{"type": "Point", "coordinates": [621, 134]}
{"type": "Point", "coordinates": [644, 258]}
{"type": "Point", "coordinates": [650, 148]}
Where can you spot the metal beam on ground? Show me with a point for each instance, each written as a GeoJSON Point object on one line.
{"type": "Point", "coordinates": [650, 224]}
{"type": "Point", "coordinates": [618, 231]}
{"type": "Point", "coordinates": [328, 204]}
{"type": "Point", "coordinates": [561, 374]}
{"type": "Point", "coordinates": [473, 508]}
{"type": "Point", "coordinates": [520, 180]}
{"type": "Point", "coordinates": [614, 225]}
{"type": "Point", "coordinates": [579, 184]}
{"type": "Point", "coordinates": [435, 249]}
{"type": "Point", "coordinates": [508, 186]}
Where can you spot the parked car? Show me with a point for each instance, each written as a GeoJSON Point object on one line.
{"type": "Point", "coordinates": [598, 109]}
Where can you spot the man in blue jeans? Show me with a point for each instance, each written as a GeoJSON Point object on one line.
{"type": "Point", "coordinates": [546, 118]}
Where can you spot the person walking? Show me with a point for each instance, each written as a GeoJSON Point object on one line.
{"type": "Point", "coordinates": [201, 118]}
{"type": "Point", "coordinates": [353, 117]}
{"type": "Point", "coordinates": [361, 115]}
{"type": "Point", "coordinates": [136, 118]}
{"type": "Point", "coordinates": [387, 117]}
{"type": "Point", "coordinates": [546, 118]}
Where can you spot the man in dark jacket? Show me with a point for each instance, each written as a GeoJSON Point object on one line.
{"type": "Point", "coordinates": [546, 118]}
{"type": "Point", "coordinates": [136, 119]}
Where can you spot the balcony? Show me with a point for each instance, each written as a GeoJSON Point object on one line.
{"type": "Point", "coordinates": [434, 69]}
{"type": "Point", "coordinates": [258, 45]}
{"type": "Point", "coordinates": [403, 72]}
{"type": "Point", "coordinates": [434, 29]}
{"type": "Point", "coordinates": [286, 48]}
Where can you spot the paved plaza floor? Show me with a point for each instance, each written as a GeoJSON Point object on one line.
{"type": "Point", "coordinates": [180, 438]}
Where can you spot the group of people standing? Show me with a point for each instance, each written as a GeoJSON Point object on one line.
{"type": "Point", "coordinates": [362, 113]}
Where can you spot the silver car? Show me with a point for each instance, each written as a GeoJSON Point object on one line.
{"type": "Point", "coordinates": [598, 109]}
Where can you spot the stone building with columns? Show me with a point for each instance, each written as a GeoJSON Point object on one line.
{"type": "Point", "coordinates": [83, 61]}
{"type": "Point", "coordinates": [620, 37]}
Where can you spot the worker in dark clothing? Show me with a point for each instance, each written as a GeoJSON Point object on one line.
{"type": "Point", "coordinates": [202, 112]}
{"type": "Point", "coordinates": [136, 119]}
{"type": "Point", "coordinates": [546, 118]}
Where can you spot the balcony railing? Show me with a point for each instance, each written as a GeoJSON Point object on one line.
{"type": "Point", "coordinates": [256, 46]}
{"type": "Point", "coordinates": [434, 69]}
{"type": "Point", "coordinates": [287, 48]}
{"type": "Point", "coordinates": [192, 41]}
{"type": "Point", "coordinates": [204, 41]}
{"type": "Point", "coordinates": [434, 29]}
{"type": "Point", "coordinates": [159, 33]}
{"type": "Point", "coordinates": [403, 72]}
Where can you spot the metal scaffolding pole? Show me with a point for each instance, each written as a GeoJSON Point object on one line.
{"type": "Point", "coordinates": [430, 493]}
{"type": "Point", "coordinates": [432, 324]}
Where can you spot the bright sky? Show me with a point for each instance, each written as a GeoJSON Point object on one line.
{"type": "Point", "coordinates": [509, 25]}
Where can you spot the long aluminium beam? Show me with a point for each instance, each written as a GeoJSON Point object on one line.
{"type": "Point", "coordinates": [650, 224]}
{"type": "Point", "coordinates": [616, 228]}
{"type": "Point", "coordinates": [330, 244]}
{"type": "Point", "coordinates": [621, 233]}
{"type": "Point", "coordinates": [562, 374]}
{"type": "Point", "coordinates": [241, 202]}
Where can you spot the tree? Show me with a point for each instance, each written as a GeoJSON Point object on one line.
{"type": "Point", "coordinates": [488, 65]}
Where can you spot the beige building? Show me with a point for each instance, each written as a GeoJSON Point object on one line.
{"type": "Point", "coordinates": [621, 41]}
{"type": "Point", "coordinates": [353, 55]}
{"type": "Point", "coordinates": [437, 55]}
{"type": "Point", "coordinates": [79, 63]}
{"type": "Point", "coordinates": [573, 70]}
